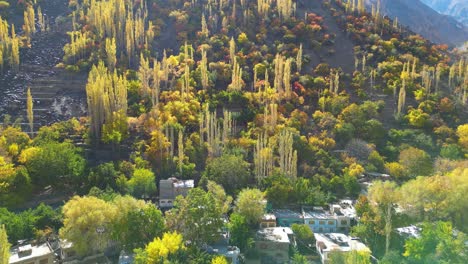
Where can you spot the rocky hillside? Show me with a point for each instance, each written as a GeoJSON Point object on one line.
{"type": "Point", "coordinates": [455, 8]}
{"type": "Point", "coordinates": [424, 20]}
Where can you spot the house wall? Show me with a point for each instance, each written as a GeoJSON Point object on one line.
{"type": "Point", "coordinates": [288, 222]}
{"type": "Point", "coordinates": [266, 224]}
{"type": "Point", "coordinates": [273, 252]}
{"type": "Point", "coordinates": [343, 224]}
{"type": "Point", "coordinates": [47, 259]}
{"type": "Point", "coordinates": [322, 225]}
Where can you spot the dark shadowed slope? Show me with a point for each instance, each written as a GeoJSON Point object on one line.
{"type": "Point", "coordinates": [455, 8]}
{"type": "Point", "coordinates": [425, 21]}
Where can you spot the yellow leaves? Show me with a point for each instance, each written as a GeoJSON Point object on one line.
{"type": "Point", "coordinates": [322, 142]}
{"type": "Point", "coordinates": [354, 170]}
{"type": "Point", "coordinates": [160, 249]}
{"type": "Point", "coordinates": [28, 154]}
{"type": "Point", "coordinates": [83, 217]}
{"type": "Point", "coordinates": [173, 60]}
{"type": "Point", "coordinates": [242, 38]}
{"type": "Point", "coordinates": [395, 170]}
{"type": "Point", "coordinates": [462, 133]}
{"type": "Point", "coordinates": [13, 150]}
{"type": "Point", "coordinates": [219, 260]}
{"type": "Point", "coordinates": [405, 75]}
{"type": "Point", "coordinates": [7, 171]}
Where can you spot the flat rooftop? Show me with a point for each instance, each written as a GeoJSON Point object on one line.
{"type": "Point", "coordinates": [340, 242]}
{"type": "Point", "coordinates": [26, 252]}
{"type": "Point", "coordinates": [286, 213]}
{"type": "Point", "coordinates": [318, 214]}
{"type": "Point", "coordinates": [184, 184]}
{"type": "Point", "coordinates": [410, 231]}
{"type": "Point", "coordinates": [268, 217]}
{"type": "Point", "coordinates": [276, 234]}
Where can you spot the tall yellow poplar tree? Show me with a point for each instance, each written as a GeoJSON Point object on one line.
{"type": "Point", "coordinates": [29, 109]}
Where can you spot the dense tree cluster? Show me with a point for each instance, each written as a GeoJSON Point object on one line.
{"type": "Point", "coordinates": [252, 101]}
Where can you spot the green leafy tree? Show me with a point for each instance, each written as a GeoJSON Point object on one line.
{"type": "Point", "coordinates": [103, 175]}
{"type": "Point", "coordinates": [136, 223]}
{"type": "Point", "coordinates": [384, 196]}
{"type": "Point", "coordinates": [251, 204]}
{"type": "Point", "coordinates": [4, 246]}
{"type": "Point", "coordinates": [351, 257]}
{"type": "Point", "coordinates": [87, 224]}
{"type": "Point", "coordinates": [241, 236]}
{"type": "Point", "coordinates": [305, 237]}
{"type": "Point", "coordinates": [416, 162]}
{"type": "Point", "coordinates": [198, 217]}
{"type": "Point", "coordinates": [231, 171]}
{"type": "Point", "coordinates": [142, 183]}
{"type": "Point", "coordinates": [437, 244]}
{"type": "Point", "coordinates": [223, 201]}
{"type": "Point", "coordinates": [55, 163]}
{"type": "Point", "coordinates": [392, 257]}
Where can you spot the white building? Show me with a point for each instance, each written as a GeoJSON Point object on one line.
{"type": "Point", "coordinates": [335, 242]}
{"type": "Point", "coordinates": [32, 254]}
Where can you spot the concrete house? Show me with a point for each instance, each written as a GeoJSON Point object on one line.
{"type": "Point", "coordinates": [286, 217]}
{"type": "Point", "coordinates": [268, 220]}
{"type": "Point", "coordinates": [169, 189]}
{"type": "Point", "coordinates": [32, 254]}
{"type": "Point", "coordinates": [327, 243]}
{"type": "Point", "coordinates": [320, 221]}
{"type": "Point", "coordinates": [273, 243]}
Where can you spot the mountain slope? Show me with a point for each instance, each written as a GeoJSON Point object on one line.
{"type": "Point", "coordinates": [425, 21]}
{"type": "Point", "coordinates": [455, 8]}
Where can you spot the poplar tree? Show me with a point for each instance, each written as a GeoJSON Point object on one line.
{"type": "Point", "coordinates": [279, 72]}
{"type": "Point", "coordinates": [227, 126]}
{"type": "Point", "coordinates": [286, 9]}
{"type": "Point", "coordinates": [41, 20]}
{"type": "Point", "coordinates": [287, 155]}
{"type": "Point", "coordinates": [204, 30]}
{"type": "Point", "coordinates": [144, 74]}
{"type": "Point", "coordinates": [263, 158]}
{"type": "Point", "coordinates": [156, 85]}
{"type": "Point", "coordinates": [361, 6]}
{"type": "Point", "coordinates": [232, 51]}
{"type": "Point", "coordinates": [287, 79]}
{"type": "Point", "coordinates": [299, 59]}
{"type": "Point", "coordinates": [402, 98]}
{"type": "Point", "coordinates": [270, 116]}
{"type": "Point", "coordinates": [29, 26]}
{"type": "Point", "coordinates": [111, 50]}
{"type": "Point", "coordinates": [29, 110]}
{"type": "Point", "coordinates": [180, 148]}
{"type": "Point", "coordinates": [204, 70]}
{"type": "Point", "coordinates": [14, 56]}
{"type": "Point", "coordinates": [4, 245]}
{"type": "Point", "coordinates": [106, 94]}
{"type": "Point", "coordinates": [364, 62]}
{"type": "Point", "coordinates": [236, 83]}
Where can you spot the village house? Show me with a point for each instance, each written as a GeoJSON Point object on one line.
{"type": "Point", "coordinates": [320, 221]}
{"type": "Point", "coordinates": [328, 243]}
{"type": "Point", "coordinates": [268, 220]}
{"type": "Point", "coordinates": [272, 244]}
{"type": "Point", "coordinates": [171, 188]}
{"type": "Point", "coordinates": [286, 217]}
{"type": "Point", "coordinates": [32, 254]}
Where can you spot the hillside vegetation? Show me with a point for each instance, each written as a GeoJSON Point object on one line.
{"type": "Point", "coordinates": [289, 101]}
